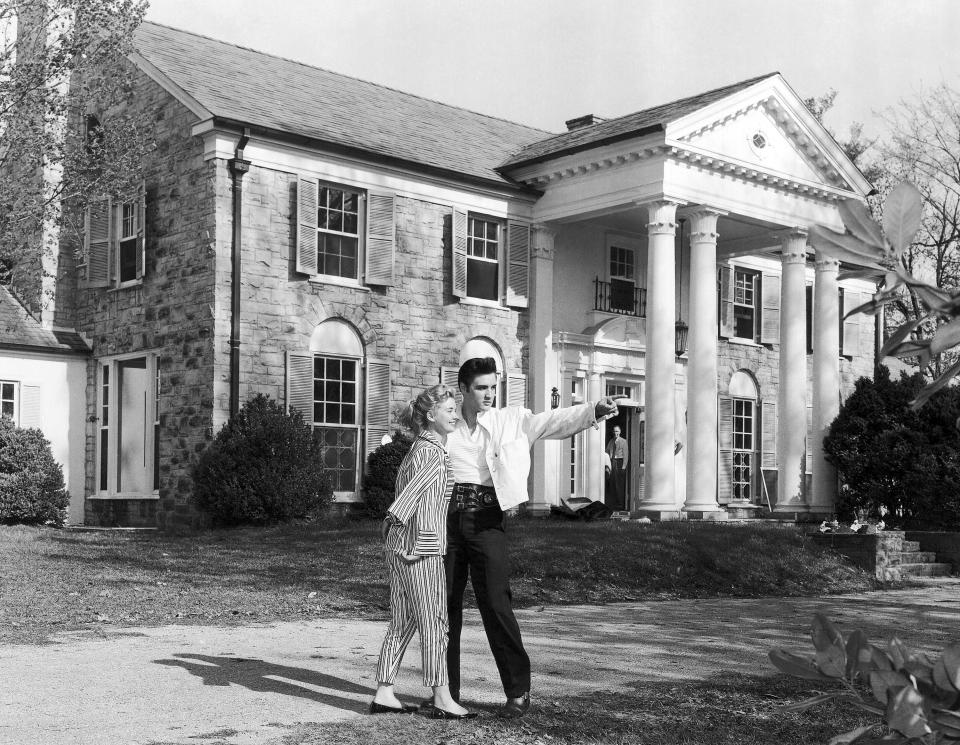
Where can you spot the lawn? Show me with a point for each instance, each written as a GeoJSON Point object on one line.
{"type": "Point", "coordinates": [73, 579]}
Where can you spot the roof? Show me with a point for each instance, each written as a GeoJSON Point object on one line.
{"type": "Point", "coordinates": [245, 86]}
{"type": "Point", "coordinates": [621, 128]}
{"type": "Point", "coordinates": [20, 330]}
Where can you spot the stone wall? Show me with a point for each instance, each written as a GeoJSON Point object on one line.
{"type": "Point", "coordinates": [878, 553]}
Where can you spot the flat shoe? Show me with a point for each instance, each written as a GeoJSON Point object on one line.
{"type": "Point", "coordinates": [437, 713]}
{"type": "Point", "coordinates": [376, 708]}
{"type": "Point", "coordinates": [514, 710]}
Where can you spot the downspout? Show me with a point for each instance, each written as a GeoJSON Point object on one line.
{"type": "Point", "coordinates": [238, 167]}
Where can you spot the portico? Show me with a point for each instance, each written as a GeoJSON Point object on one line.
{"type": "Point", "coordinates": [747, 169]}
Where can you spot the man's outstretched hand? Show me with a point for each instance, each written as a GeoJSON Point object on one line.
{"type": "Point", "coordinates": [607, 407]}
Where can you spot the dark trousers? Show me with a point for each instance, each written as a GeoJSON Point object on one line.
{"type": "Point", "coordinates": [477, 546]}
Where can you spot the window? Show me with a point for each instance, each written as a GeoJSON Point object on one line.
{"type": "Point", "coordinates": [104, 426]}
{"type": "Point", "coordinates": [745, 295]}
{"type": "Point", "coordinates": [743, 448]}
{"type": "Point", "coordinates": [622, 282]}
{"type": "Point", "coordinates": [8, 400]}
{"type": "Point", "coordinates": [114, 241]}
{"type": "Point", "coordinates": [483, 258]}
{"type": "Point", "coordinates": [336, 383]}
{"type": "Point", "coordinates": [338, 232]}
{"type": "Point", "coordinates": [127, 253]}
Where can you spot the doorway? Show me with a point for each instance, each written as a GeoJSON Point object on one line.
{"type": "Point", "coordinates": [622, 486]}
{"type": "Point", "coordinates": [134, 469]}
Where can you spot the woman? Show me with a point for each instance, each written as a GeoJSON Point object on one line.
{"type": "Point", "coordinates": [416, 540]}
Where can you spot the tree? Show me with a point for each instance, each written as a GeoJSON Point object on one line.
{"type": "Point", "coordinates": [65, 135]}
{"type": "Point", "coordinates": [854, 146]}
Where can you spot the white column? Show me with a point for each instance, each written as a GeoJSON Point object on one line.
{"type": "Point", "coordinates": [826, 379]}
{"type": "Point", "coordinates": [660, 491]}
{"type": "Point", "coordinates": [702, 366]}
{"type": "Point", "coordinates": [544, 367]}
{"type": "Point", "coordinates": [792, 399]}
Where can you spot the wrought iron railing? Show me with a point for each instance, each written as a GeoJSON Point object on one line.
{"type": "Point", "coordinates": [620, 296]}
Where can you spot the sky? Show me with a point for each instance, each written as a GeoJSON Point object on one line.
{"type": "Point", "coordinates": [541, 62]}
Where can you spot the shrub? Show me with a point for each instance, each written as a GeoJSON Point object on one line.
{"type": "Point", "coordinates": [32, 491]}
{"type": "Point", "coordinates": [265, 466]}
{"type": "Point", "coordinates": [890, 456]}
{"type": "Point", "coordinates": [382, 466]}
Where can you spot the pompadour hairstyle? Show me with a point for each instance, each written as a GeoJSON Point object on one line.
{"type": "Point", "coordinates": [475, 367]}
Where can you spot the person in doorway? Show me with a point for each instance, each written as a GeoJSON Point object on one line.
{"type": "Point", "coordinates": [617, 450]}
{"type": "Point", "coordinates": [416, 539]}
{"type": "Point", "coordinates": [490, 459]}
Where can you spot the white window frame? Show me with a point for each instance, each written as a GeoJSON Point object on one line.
{"type": "Point", "coordinates": [499, 261]}
{"type": "Point", "coordinates": [112, 404]}
{"type": "Point", "coordinates": [359, 418]}
{"type": "Point", "coordinates": [754, 451]}
{"type": "Point", "coordinates": [754, 306]}
{"type": "Point", "coordinates": [361, 194]}
{"type": "Point", "coordinates": [15, 400]}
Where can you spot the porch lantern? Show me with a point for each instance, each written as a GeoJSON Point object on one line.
{"type": "Point", "coordinates": [554, 398]}
{"type": "Point", "coordinates": [681, 329]}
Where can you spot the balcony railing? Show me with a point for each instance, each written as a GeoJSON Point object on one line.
{"type": "Point", "coordinates": [620, 296]}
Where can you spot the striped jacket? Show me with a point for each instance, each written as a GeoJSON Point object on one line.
{"type": "Point", "coordinates": [423, 494]}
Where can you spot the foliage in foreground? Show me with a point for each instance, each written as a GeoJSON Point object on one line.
{"type": "Point", "coordinates": [917, 698]}
{"type": "Point", "coordinates": [265, 466]}
{"type": "Point", "coordinates": [32, 491]}
{"type": "Point", "coordinates": [379, 485]}
{"type": "Point", "coordinates": [890, 456]}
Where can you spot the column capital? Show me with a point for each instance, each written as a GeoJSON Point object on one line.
{"type": "Point", "coordinates": [826, 263]}
{"type": "Point", "coordinates": [703, 223]}
{"type": "Point", "coordinates": [794, 246]}
{"type": "Point", "coordinates": [542, 239]}
{"type": "Point", "coordinates": [662, 215]}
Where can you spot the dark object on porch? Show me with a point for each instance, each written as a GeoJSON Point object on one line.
{"type": "Point", "coordinates": [580, 508]}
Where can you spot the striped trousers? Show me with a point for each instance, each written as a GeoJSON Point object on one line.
{"type": "Point", "coordinates": [418, 602]}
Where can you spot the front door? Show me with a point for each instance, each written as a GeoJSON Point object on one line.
{"type": "Point", "coordinates": [134, 470]}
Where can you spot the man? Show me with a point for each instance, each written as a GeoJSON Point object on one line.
{"type": "Point", "coordinates": [490, 458]}
{"type": "Point", "coordinates": [617, 450]}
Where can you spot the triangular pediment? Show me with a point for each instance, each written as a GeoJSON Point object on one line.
{"type": "Point", "coordinates": [767, 128]}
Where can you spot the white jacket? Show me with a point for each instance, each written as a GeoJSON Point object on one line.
{"type": "Point", "coordinates": [512, 432]}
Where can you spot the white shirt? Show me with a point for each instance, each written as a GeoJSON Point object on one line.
{"type": "Point", "coordinates": [468, 454]}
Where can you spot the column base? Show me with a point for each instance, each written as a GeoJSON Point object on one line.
{"type": "Point", "coordinates": [656, 515]}
{"type": "Point", "coordinates": [706, 512]}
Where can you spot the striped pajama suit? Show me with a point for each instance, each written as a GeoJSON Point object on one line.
{"type": "Point", "coordinates": [418, 596]}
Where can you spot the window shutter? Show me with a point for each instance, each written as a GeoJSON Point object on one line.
{"type": "Point", "coordinates": [808, 467]}
{"type": "Point", "coordinates": [141, 217]}
{"type": "Point", "coordinates": [377, 405]}
{"type": "Point", "coordinates": [518, 264]}
{"type": "Point", "coordinates": [381, 232]}
{"type": "Point", "coordinates": [726, 302]}
{"type": "Point", "coordinates": [30, 407]}
{"type": "Point", "coordinates": [458, 242]}
{"type": "Point", "coordinates": [448, 377]}
{"type": "Point", "coordinates": [300, 384]}
{"type": "Point", "coordinates": [307, 195]}
{"type": "Point", "coordinates": [725, 449]}
{"type": "Point", "coordinates": [768, 434]}
{"type": "Point", "coordinates": [850, 344]}
{"type": "Point", "coordinates": [517, 390]}
{"type": "Point", "coordinates": [770, 310]}
{"type": "Point", "coordinates": [98, 234]}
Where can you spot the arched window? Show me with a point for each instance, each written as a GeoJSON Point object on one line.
{"type": "Point", "coordinates": [337, 400]}
{"type": "Point", "coordinates": [739, 436]}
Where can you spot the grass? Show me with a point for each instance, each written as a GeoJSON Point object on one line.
{"type": "Point", "coordinates": [62, 579]}
{"type": "Point", "coordinates": [727, 708]}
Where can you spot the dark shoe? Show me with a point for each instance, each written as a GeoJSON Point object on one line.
{"type": "Point", "coordinates": [376, 708]}
{"type": "Point", "coordinates": [435, 712]}
{"type": "Point", "coordinates": [513, 709]}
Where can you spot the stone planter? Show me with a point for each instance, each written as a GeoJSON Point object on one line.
{"type": "Point", "coordinates": [878, 552]}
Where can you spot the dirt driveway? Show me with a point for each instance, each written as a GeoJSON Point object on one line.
{"type": "Point", "coordinates": [249, 685]}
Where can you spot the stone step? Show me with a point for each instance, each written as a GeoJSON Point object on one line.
{"type": "Point", "coordinates": [918, 557]}
{"type": "Point", "coordinates": [933, 569]}
{"type": "Point", "coordinates": [910, 546]}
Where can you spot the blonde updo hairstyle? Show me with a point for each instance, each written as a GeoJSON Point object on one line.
{"type": "Point", "coordinates": [414, 415]}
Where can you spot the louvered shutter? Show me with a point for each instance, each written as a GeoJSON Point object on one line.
{"type": "Point", "coordinates": [377, 404]}
{"type": "Point", "coordinates": [768, 434]}
{"type": "Point", "coordinates": [381, 232]}
{"type": "Point", "coordinates": [98, 237]}
{"type": "Point", "coordinates": [725, 449]}
{"type": "Point", "coordinates": [851, 326]}
{"type": "Point", "coordinates": [770, 309]}
{"type": "Point", "coordinates": [458, 243]}
{"type": "Point", "coordinates": [808, 467]}
{"type": "Point", "coordinates": [518, 264]}
{"type": "Point", "coordinates": [30, 407]}
{"type": "Point", "coordinates": [517, 390]}
{"type": "Point", "coordinates": [300, 384]}
{"type": "Point", "coordinates": [307, 195]}
{"type": "Point", "coordinates": [726, 301]}
{"type": "Point", "coordinates": [141, 218]}
{"type": "Point", "coordinates": [448, 377]}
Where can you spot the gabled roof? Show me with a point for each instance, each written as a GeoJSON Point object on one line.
{"type": "Point", "coordinates": [621, 128]}
{"type": "Point", "coordinates": [240, 85]}
{"type": "Point", "coordinates": [20, 330]}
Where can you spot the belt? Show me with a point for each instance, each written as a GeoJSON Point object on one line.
{"type": "Point", "coordinates": [472, 498]}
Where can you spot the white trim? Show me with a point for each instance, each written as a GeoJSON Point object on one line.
{"type": "Point", "coordinates": [330, 279]}
{"type": "Point", "coordinates": [495, 304]}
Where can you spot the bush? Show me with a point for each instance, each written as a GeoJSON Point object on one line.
{"type": "Point", "coordinates": [32, 491]}
{"type": "Point", "coordinates": [265, 466]}
{"type": "Point", "coordinates": [886, 455]}
{"type": "Point", "coordinates": [382, 466]}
